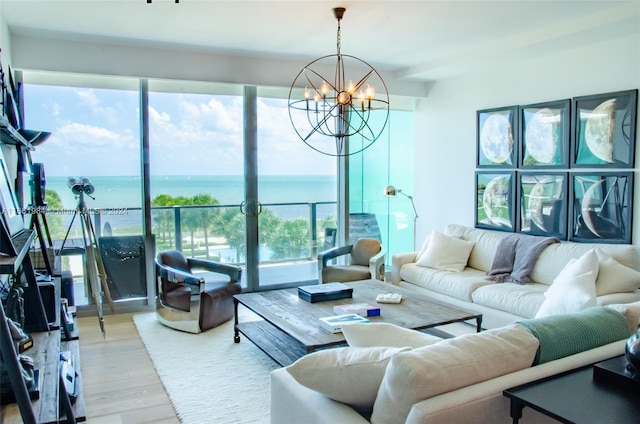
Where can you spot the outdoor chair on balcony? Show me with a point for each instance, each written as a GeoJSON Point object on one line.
{"type": "Point", "coordinates": [188, 302]}
{"type": "Point", "coordinates": [366, 261]}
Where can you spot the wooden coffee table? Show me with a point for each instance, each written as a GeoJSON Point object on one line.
{"type": "Point", "coordinates": [289, 327]}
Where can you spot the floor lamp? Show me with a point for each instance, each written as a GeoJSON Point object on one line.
{"type": "Point", "coordinates": [391, 191]}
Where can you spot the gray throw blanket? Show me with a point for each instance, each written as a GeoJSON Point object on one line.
{"type": "Point", "coordinates": [516, 256]}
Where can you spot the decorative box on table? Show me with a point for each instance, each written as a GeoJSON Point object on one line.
{"type": "Point", "coordinates": [324, 292]}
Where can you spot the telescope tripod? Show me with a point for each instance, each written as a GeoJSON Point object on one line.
{"type": "Point", "coordinates": [94, 268]}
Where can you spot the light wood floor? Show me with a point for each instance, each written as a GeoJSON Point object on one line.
{"type": "Point", "coordinates": [119, 382]}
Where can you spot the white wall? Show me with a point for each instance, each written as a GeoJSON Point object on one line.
{"type": "Point", "coordinates": [445, 150]}
{"type": "Point", "coordinates": [64, 55]}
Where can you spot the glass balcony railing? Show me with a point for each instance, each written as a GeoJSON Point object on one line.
{"type": "Point", "coordinates": [288, 233]}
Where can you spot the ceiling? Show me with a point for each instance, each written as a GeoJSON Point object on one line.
{"type": "Point", "coordinates": [416, 40]}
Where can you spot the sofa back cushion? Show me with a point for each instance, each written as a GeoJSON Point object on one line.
{"type": "Point", "coordinates": [484, 249]}
{"type": "Point", "coordinates": [552, 259]}
{"type": "Point", "coordinates": [555, 257]}
{"type": "Point", "coordinates": [422, 373]}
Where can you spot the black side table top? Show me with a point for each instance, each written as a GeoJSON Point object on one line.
{"type": "Point", "coordinates": [575, 397]}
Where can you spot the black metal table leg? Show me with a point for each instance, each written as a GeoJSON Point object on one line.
{"type": "Point", "coordinates": [236, 333]}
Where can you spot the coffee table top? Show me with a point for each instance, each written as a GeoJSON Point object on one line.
{"type": "Point", "coordinates": [299, 318]}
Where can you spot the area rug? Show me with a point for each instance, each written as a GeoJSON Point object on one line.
{"type": "Point", "coordinates": [209, 378]}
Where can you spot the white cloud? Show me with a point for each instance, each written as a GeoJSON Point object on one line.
{"type": "Point", "coordinates": [89, 98]}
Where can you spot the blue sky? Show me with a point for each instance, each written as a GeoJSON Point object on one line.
{"type": "Point", "coordinates": [95, 132]}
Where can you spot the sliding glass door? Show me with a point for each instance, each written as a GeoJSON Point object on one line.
{"type": "Point", "coordinates": [296, 188]}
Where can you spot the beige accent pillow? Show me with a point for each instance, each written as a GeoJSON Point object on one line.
{"type": "Point", "coordinates": [631, 312]}
{"type": "Point", "coordinates": [349, 375]}
{"type": "Point", "coordinates": [445, 253]}
{"type": "Point", "coordinates": [425, 244]}
{"type": "Point", "coordinates": [420, 374]}
{"type": "Point", "coordinates": [384, 334]}
{"type": "Point", "coordinates": [614, 277]}
{"type": "Point", "coordinates": [574, 289]}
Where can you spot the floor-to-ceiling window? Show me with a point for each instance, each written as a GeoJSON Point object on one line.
{"type": "Point", "coordinates": [94, 127]}
{"type": "Point", "coordinates": [207, 174]}
{"type": "Point", "coordinates": [389, 161]}
{"type": "Point", "coordinates": [297, 189]}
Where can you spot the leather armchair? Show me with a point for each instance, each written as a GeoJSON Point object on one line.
{"type": "Point", "coordinates": [366, 261]}
{"type": "Point", "coordinates": [189, 302]}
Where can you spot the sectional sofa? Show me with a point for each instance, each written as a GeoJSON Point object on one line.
{"type": "Point", "coordinates": [503, 303]}
{"type": "Point", "coordinates": [392, 378]}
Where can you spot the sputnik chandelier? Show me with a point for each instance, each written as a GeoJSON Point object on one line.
{"type": "Point", "coordinates": [338, 96]}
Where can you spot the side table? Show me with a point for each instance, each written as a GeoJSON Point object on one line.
{"type": "Point", "coordinates": [575, 397]}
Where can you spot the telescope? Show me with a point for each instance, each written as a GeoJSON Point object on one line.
{"type": "Point", "coordinates": [81, 185]}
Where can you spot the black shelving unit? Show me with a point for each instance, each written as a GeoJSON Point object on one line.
{"type": "Point", "coordinates": [53, 404]}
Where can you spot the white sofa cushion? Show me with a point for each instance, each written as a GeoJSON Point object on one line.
{"type": "Point", "coordinates": [350, 375]}
{"type": "Point", "coordinates": [574, 289]}
{"type": "Point", "coordinates": [385, 334]}
{"type": "Point", "coordinates": [613, 277]}
{"type": "Point", "coordinates": [445, 253]}
{"type": "Point", "coordinates": [450, 364]}
{"type": "Point", "coordinates": [520, 299]}
{"type": "Point", "coordinates": [631, 312]}
{"type": "Point", "coordinates": [459, 285]}
{"type": "Point", "coordinates": [484, 249]}
{"type": "Point", "coordinates": [554, 258]}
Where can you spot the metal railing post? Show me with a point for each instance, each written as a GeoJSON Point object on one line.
{"type": "Point", "coordinates": [178, 228]}
{"type": "Point", "coordinates": [313, 231]}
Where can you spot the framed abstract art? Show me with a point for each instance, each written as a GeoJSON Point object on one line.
{"type": "Point", "coordinates": [496, 137]}
{"type": "Point", "coordinates": [544, 135]}
{"type": "Point", "coordinates": [604, 130]}
{"type": "Point", "coordinates": [495, 200]}
{"type": "Point", "coordinates": [542, 203]}
{"type": "Point", "coordinates": [601, 207]}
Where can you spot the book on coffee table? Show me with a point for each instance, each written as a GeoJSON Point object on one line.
{"type": "Point", "coordinates": [324, 292]}
{"type": "Point", "coordinates": [334, 323]}
{"type": "Point", "coordinates": [362, 309]}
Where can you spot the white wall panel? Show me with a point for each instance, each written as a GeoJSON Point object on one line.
{"type": "Point", "coordinates": [446, 121]}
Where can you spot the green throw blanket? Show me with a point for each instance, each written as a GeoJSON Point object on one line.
{"type": "Point", "coordinates": [564, 335]}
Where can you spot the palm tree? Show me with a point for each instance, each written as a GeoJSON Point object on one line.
{"type": "Point", "coordinates": [205, 215]}
{"type": "Point", "coordinates": [229, 222]}
{"type": "Point", "coordinates": [164, 218]}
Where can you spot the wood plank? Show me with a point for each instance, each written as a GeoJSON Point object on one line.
{"type": "Point", "coordinates": [46, 356]}
{"type": "Point", "coordinates": [279, 346]}
{"type": "Point", "coordinates": [116, 390]}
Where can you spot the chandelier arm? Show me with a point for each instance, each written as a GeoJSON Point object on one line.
{"type": "Point", "coordinates": [317, 127]}
{"type": "Point", "coordinates": [362, 81]}
{"type": "Point", "coordinates": [319, 91]}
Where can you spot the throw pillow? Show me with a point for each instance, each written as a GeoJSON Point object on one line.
{"type": "Point", "coordinates": [574, 289]}
{"type": "Point", "coordinates": [349, 375]}
{"type": "Point", "coordinates": [384, 334]}
{"type": "Point", "coordinates": [425, 244]}
{"type": "Point", "coordinates": [422, 373]}
{"type": "Point", "coordinates": [446, 253]}
{"type": "Point", "coordinates": [631, 312]}
{"type": "Point", "coordinates": [614, 277]}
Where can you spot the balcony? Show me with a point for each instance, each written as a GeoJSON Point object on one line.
{"type": "Point", "coordinates": [290, 236]}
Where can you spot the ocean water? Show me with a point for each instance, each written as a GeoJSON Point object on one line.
{"type": "Point", "coordinates": [119, 198]}
{"type": "Point", "coordinates": [125, 191]}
